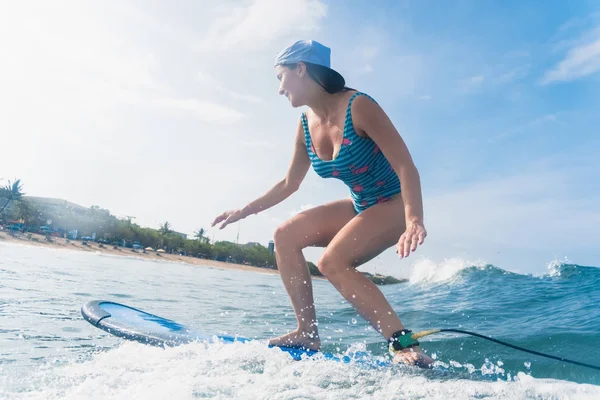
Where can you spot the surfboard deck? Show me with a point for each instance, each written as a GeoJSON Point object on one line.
{"type": "Point", "coordinates": [134, 324]}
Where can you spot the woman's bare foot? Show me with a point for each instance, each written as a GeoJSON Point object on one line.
{"type": "Point", "coordinates": [298, 339]}
{"type": "Point", "coordinates": [413, 356]}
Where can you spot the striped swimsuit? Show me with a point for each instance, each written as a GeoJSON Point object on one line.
{"type": "Point", "coordinates": [359, 164]}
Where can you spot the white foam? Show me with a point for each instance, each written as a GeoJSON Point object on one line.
{"type": "Point", "coordinates": [250, 371]}
{"type": "Point", "coordinates": [554, 267]}
{"type": "Point", "coordinates": [429, 271]}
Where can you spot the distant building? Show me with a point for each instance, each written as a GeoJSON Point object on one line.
{"type": "Point", "coordinates": [271, 247]}
{"type": "Point", "coordinates": [252, 244]}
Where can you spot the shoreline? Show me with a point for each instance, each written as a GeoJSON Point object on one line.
{"type": "Point", "coordinates": [35, 239]}
{"type": "Point", "coordinates": [75, 245]}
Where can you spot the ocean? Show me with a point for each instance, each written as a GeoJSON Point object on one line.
{"type": "Point", "coordinates": [48, 351]}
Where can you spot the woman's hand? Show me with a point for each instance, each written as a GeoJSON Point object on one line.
{"type": "Point", "coordinates": [228, 217]}
{"type": "Point", "coordinates": [414, 235]}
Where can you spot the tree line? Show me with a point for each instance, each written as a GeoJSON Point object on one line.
{"type": "Point", "coordinates": [61, 217]}
{"type": "Point", "coordinates": [58, 219]}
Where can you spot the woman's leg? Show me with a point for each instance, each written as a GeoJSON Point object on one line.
{"type": "Point", "coordinates": [314, 227]}
{"type": "Point", "coordinates": [363, 238]}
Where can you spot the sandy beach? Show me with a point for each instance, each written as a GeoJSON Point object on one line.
{"type": "Point", "coordinates": [60, 243]}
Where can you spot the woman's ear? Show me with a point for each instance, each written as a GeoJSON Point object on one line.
{"type": "Point", "coordinates": [301, 69]}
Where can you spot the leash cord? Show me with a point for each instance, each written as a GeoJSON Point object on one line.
{"type": "Point", "coordinates": [431, 332]}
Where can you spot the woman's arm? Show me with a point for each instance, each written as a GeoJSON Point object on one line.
{"type": "Point", "coordinates": [370, 118]}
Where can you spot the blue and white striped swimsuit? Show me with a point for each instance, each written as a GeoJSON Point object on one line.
{"type": "Point", "coordinates": [359, 164]}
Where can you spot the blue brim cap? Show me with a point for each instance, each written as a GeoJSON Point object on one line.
{"type": "Point", "coordinates": [307, 51]}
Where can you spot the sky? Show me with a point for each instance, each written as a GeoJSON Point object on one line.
{"type": "Point", "coordinates": [169, 111]}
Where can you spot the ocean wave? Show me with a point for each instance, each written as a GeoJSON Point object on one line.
{"type": "Point", "coordinates": [446, 271]}
{"type": "Point", "coordinates": [454, 269]}
{"type": "Point", "coordinates": [565, 269]}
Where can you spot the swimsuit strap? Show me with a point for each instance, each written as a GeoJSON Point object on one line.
{"type": "Point", "coordinates": [306, 131]}
{"type": "Point", "coordinates": [352, 99]}
{"type": "Point", "coordinates": [348, 126]}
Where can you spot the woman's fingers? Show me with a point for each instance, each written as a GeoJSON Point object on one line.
{"type": "Point", "coordinates": [221, 217]}
{"type": "Point", "coordinates": [410, 240]}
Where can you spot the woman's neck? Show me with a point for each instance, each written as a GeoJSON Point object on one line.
{"type": "Point", "coordinates": [324, 105]}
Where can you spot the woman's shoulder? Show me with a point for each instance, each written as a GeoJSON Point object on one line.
{"type": "Point", "coordinates": [360, 94]}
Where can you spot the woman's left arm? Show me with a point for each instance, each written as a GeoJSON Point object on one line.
{"type": "Point", "coordinates": [369, 117]}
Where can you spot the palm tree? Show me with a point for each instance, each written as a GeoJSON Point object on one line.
{"type": "Point", "coordinates": [12, 192]}
{"type": "Point", "coordinates": [165, 229]}
{"type": "Point", "coordinates": [199, 234]}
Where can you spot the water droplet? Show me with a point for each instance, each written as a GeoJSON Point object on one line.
{"type": "Point", "coordinates": [527, 364]}
{"type": "Point", "coordinates": [354, 321]}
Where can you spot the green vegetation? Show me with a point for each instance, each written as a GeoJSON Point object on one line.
{"type": "Point", "coordinates": [54, 217]}
{"type": "Point", "coordinates": [11, 192]}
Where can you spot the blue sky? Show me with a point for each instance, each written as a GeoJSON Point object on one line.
{"type": "Point", "coordinates": [169, 111]}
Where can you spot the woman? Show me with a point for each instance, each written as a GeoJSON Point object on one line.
{"type": "Point", "coordinates": [347, 136]}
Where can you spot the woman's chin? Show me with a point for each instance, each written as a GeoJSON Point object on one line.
{"type": "Point", "coordinates": [293, 103]}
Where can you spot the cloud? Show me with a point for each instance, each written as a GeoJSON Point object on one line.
{"type": "Point", "coordinates": [472, 83]}
{"type": "Point", "coordinates": [365, 69]}
{"type": "Point", "coordinates": [211, 83]}
{"type": "Point", "coordinates": [369, 52]}
{"type": "Point", "coordinates": [537, 209]}
{"type": "Point", "coordinates": [88, 72]}
{"type": "Point", "coordinates": [261, 23]}
{"type": "Point", "coordinates": [582, 59]}
{"type": "Point", "coordinates": [531, 126]}
{"type": "Point", "coordinates": [207, 111]}
{"type": "Point", "coordinates": [368, 55]}
{"type": "Point", "coordinates": [512, 75]}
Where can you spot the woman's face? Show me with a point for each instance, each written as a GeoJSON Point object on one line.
{"type": "Point", "coordinates": [292, 83]}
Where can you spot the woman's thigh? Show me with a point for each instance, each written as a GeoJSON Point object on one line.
{"type": "Point", "coordinates": [315, 226]}
{"type": "Point", "coordinates": [367, 235]}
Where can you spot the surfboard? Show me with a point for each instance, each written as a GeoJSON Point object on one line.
{"type": "Point", "coordinates": [136, 325]}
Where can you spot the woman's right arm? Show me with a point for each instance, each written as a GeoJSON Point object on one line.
{"type": "Point", "coordinates": [296, 172]}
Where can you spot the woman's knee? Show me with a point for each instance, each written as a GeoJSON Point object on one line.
{"type": "Point", "coordinates": [286, 234]}
{"type": "Point", "coordinates": [330, 263]}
